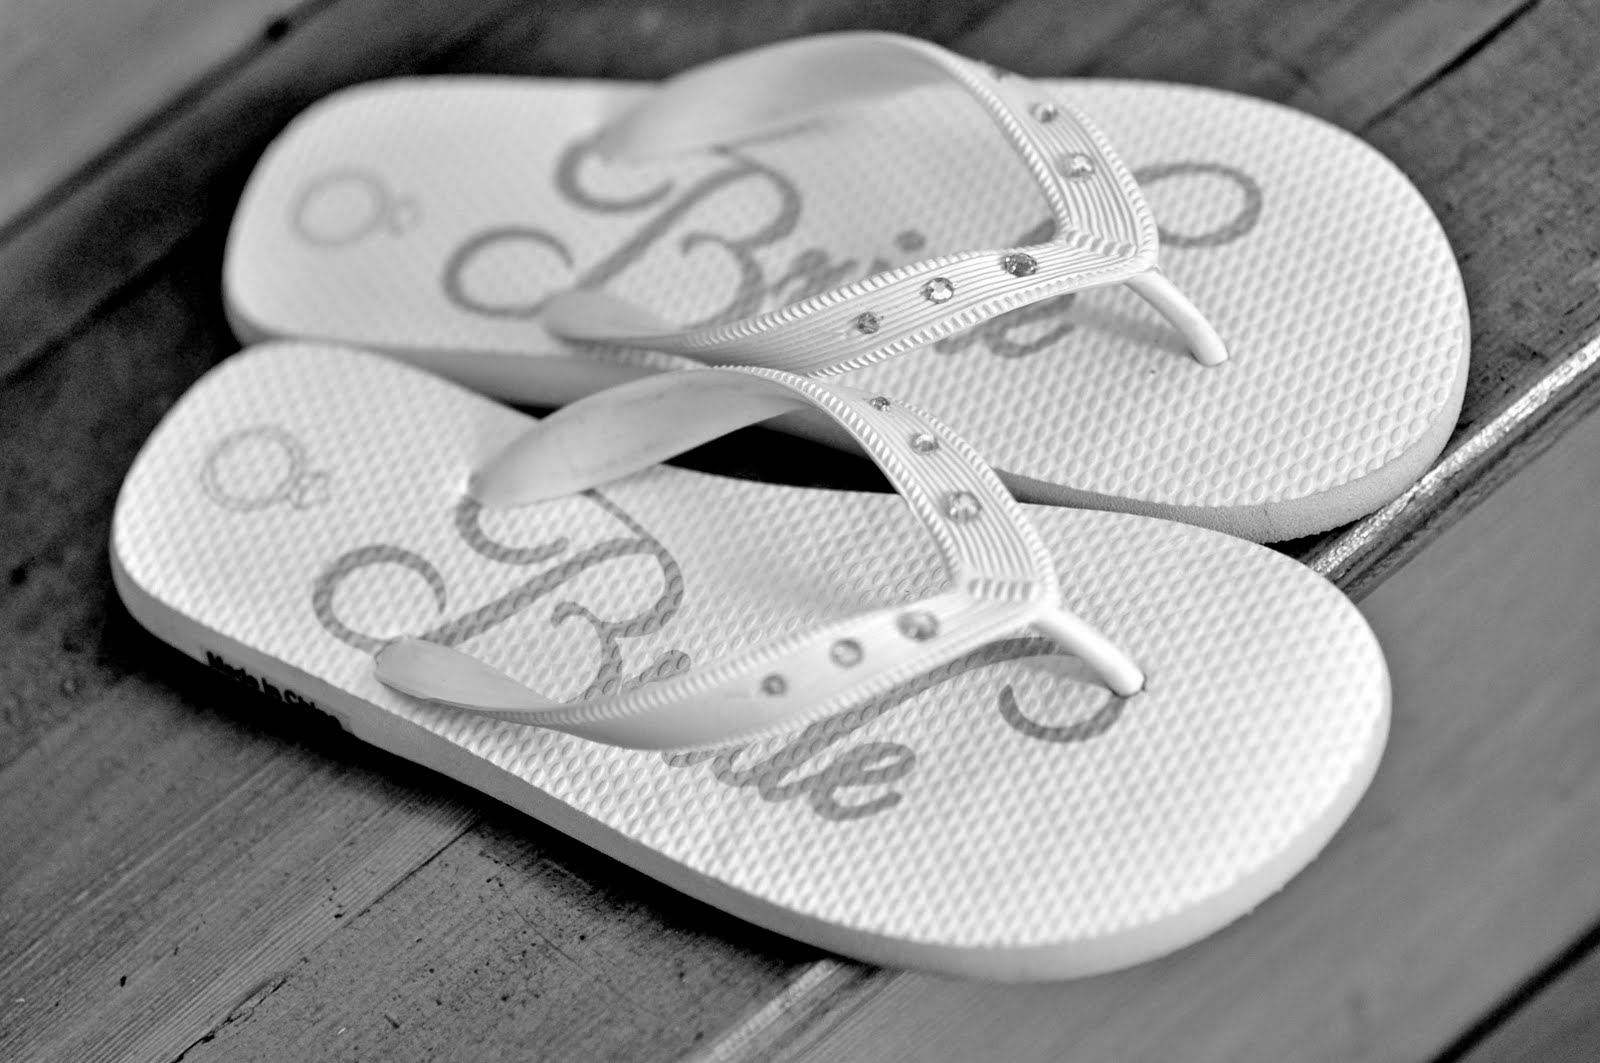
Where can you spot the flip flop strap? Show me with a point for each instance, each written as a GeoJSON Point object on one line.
{"type": "Point", "coordinates": [1002, 576]}
{"type": "Point", "coordinates": [1105, 233]}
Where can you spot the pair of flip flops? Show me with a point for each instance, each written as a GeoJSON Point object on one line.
{"type": "Point", "coordinates": [944, 730]}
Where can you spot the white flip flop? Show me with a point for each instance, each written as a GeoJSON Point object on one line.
{"type": "Point", "coordinates": [976, 225]}
{"type": "Point", "coordinates": [880, 742]}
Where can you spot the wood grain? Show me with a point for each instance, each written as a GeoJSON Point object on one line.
{"type": "Point", "coordinates": [194, 910]}
{"type": "Point", "coordinates": [184, 170]}
{"type": "Point", "coordinates": [628, 39]}
{"type": "Point", "coordinates": [1505, 150]}
{"type": "Point", "coordinates": [163, 861]}
{"type": "Point", "coordinates": [1346, 62]}
{"type": "Point", "coordinates": [1381, 57]}
{"type": "Point", "coordinates": [263, 829]}
{"type": "Point", "coordinates": [514, 943]}
{"type": "Point", "coordinates": [1468, 865]}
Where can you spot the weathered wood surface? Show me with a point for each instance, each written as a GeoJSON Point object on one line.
{"type": "Point", "coordinates": [1344, 61]}
{"type": "Point", "coordinates": [1556, 1022]}
{"type": "Point", "coordinates": [201, 924]}
{"type": "Point", "coordinates": [75, 78]}
{"type": "Point", "coordinates": [144, 807]}
{"type": "Point", "coordinates": [79, 243]}
{"type": "Point", "coordinates": [1468, 867]}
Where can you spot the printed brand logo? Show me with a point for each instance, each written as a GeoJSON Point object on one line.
{"type": "Point", "coordinates": [260, 685]}
{"type": "Point", "coordinates": [260, 467]}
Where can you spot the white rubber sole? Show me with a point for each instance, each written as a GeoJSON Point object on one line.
{"type": "Point", "coordinates": [995, 820]}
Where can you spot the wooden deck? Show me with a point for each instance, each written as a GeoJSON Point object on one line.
{"type": "Point", "coordinates": [184, 874]}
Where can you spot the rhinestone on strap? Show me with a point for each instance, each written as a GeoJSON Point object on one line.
{"type": "Point", "coordinates": [1105, 233]}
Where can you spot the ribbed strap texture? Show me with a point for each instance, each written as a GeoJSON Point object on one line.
{"type": "Point", "coordinates": [1002, 578]}
{"type": "Point", "coordinates": [1104, 231]}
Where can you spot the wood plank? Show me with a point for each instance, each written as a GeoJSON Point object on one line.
{"type": "Point", "coordinates": [1211, 44]}
{"type": "Point", "coordinates": [1346, 62]}
{"type": "Point", "coordinates": [176, 862]}
{"type": "Point", "coordinates": [76, 77]}
{"type": "Point", "coordinates": [513, 943]}
{"type": "Point", "coordinates": [1560, 1024]}
{"type": "Point", "coordinates": [625, 39]}
{"type": "Point", "coordinates": [112, 303]}
{"type": "Point", "coordinates": [1468, 865]}
{"type": "Point", "coordinates": [1043, 38]}
{"type": "Point", "coordinates": [188, 164]}
{"type": "Point", "coordinates": [1502, 150]}
{"type": "Point", "coordinates": [69, 429]}
{"type": "Point", "coordinates": [170, 852]}
{"type": "Point", "coordinates": [1366, 73]}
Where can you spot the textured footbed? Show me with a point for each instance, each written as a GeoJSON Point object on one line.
{"type": "Point", "coordinates": [430, 218]}
{"type": "Point", "coordinates": [302, 504]}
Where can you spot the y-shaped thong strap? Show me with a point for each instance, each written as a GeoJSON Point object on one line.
{"type": "Point", "coordinates": [1001, 576]}
{"type": "Point", "coordinates": [1105, 233]}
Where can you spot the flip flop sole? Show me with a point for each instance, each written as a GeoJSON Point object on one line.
{"type": "Point", "coordinates": [301, 505]}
